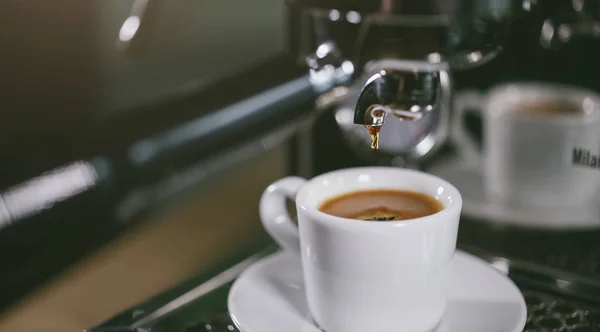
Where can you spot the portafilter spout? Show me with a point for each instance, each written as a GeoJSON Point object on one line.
{"type": "Point", "coordinates": [418, 92]}
{"type": "Point", "coordinates": [407, 95]}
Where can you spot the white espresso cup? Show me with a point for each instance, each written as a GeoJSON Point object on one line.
{"type": "Point", "coordinates": [366, 275]}
{"type": "Point", "coordinates": [534, 159]}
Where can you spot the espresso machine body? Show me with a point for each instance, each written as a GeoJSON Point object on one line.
{"type": "Point", "coordinates": [478, 44]}
{"type": "Point", "coordinates": [408, 61]}
{"type": "Point", "coordinates": [297, 104]}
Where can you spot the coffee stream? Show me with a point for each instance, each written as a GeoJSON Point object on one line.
{"type": "Point", "coordinates": [374, 131]}
{"type": "Point", "coordinates": [376, 117]}
{"type": "Point", "coordinates": [374, 120]}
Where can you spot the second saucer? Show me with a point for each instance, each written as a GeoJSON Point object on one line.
{"type": "Point", "coordinates": [477, 204]}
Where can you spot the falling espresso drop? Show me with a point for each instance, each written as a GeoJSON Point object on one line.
{"type": "Point", "coordinates": [374, 131]}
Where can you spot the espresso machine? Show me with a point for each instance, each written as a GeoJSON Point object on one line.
{"type": "Point", "coordinates": [360, 83]}
{"type": "Point", "coordinates": [404, 61]}
{"type": "Point", "coordinates": [397, 60]}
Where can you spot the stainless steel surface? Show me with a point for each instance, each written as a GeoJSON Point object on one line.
{"type": "Point", "coordinates": [144, 198]}
{"type": "Point", "coordinates": [180, 237]}
{"type": "Point", "coordinates": [457, 34]}
{"type": "Point", "coordinates": [557, 273]}
{"type": "Point", "coordinates": [579, 20]}
{"type": "Point", "coordinates": [417, 92]}
{"type": "Point", "coordinates": [329, 74]}
{"type": "Point", "coordinates": [461, 35]}
{"type": "Point", "coordinates": [328, 68]}
{"type": "Point", "coordinates": [415, 99]}
{"type": "Point", "coordinates": [217, 281]}
{"type": "Point", "coordinates": [548, 312]}
{"type": "Point", "coordinates": [557, 300]}
{"type": "Point", "coordinates": [464, 33]}
{"type": "Point", "coordinates": [406, 95]}
{"type": "Point", "coordinates": [144, 151]}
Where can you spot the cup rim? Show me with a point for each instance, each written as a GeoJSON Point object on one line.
{"type": "Point", "coordinates": [454, 207]}
{"type": "Point", "coordinates": [497, 105]}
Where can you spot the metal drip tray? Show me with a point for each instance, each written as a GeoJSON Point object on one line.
{"type": "Point", "coordinates": [575, 251]}
{"type": "Point", "coordinates": [548, 312]}
{"type": "Point", "coordinates": [557, 273]}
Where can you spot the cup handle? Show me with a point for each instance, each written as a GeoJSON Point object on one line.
{"type": "Point", "coordinates": [466, 101]}
{"type": "Point", "coordinates": [274, 215]}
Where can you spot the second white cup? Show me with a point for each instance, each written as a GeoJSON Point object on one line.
{"type": "Point", "coordinates": [533, 156]}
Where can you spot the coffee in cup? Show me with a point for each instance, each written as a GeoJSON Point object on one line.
{"type": "Point", "coordinates": [381, 205]}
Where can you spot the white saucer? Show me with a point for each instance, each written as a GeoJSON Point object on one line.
{"type": "Point", "coordinates": [469, 182]}
{"type": "Point", "coordinates": [269, 297]}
